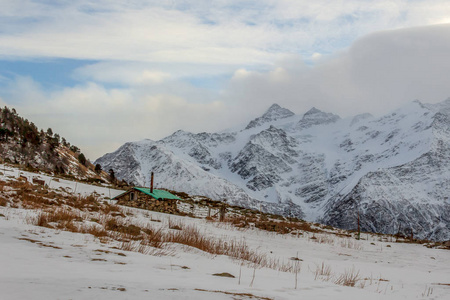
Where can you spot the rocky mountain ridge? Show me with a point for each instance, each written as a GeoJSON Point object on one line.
{"type": "Point", "coordinates": [393, 171]}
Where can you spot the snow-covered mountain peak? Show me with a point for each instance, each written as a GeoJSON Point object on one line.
{"type": "Point", "coordinates": [442, 107]}
{"type": "Point", "coordinates": [312, 111]}
{"type": "Point", "coordinates": [315, 116]}
{"type": "Point", "coordinates": [275, 112]}
{"type": "Point", "coordinates": [417, 101]}
{"type": "Point", "coordinates": [361, 117]}
{"type": "Point", "coordinates": [316, 164]}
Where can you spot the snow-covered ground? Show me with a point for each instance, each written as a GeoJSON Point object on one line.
{"type": "Point", "coordinates": [8, 172]}
{"type": "Point", "coordinates": [44, 263]}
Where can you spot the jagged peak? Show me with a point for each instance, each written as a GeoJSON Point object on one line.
{"type": "Point", "coordinates": [313, 111]}
{"type": "Point", "coordinates": [316, 111]}
{"type": "Point", "coordinates": [315, 116]}
{"type": "Point", "coordinates": [274, 106]}
{"type": "Point", "coordinates": [438, 106]}
{"type": "Point", "coordinates": [273, 130]}
{"type": "Point", "coordinates": [179, 133]}
{"type": "Point", "coordinates": [275, 112]}
{"type": "Point", "coordinates": [278, 111]}
{"type": "Point", "coordinates": [419, 103]}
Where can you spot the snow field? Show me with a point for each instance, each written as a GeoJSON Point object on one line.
{"type": "Point", "coordinates": [86, 268]}
{"type": "Point", "coordinates": [44, 263]}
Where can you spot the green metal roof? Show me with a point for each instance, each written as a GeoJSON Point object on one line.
{"type": "Point", "coordinates": [157, 194]}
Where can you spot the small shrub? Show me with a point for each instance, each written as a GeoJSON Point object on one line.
{"type": "Point", "coordinates": [96, 231]}
{"type": "Point", "coordinates": [41, 220]}
{"type": "Point", "coordinates": [3, 201]}
{"type": "Point", "coordinates": [108, 208]}
{"type": "Point", "coordinates": [128, 229]}
{"type": "Point", "coordinates": [131, 229]}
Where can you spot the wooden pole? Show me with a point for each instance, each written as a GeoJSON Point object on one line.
{"type": "Point", "coordinates": [151, 183]}
{"type": "Point", "coordinates": [359, 227]}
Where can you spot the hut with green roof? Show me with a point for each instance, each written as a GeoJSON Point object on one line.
{"type": "Point", "coordinates": [149, 198]}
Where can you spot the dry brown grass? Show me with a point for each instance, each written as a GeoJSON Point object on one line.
{"type": "Point", "coordinates": [111, 209]}
{"type": "Point", "coordinates": [153, 237]}
{"type": "Point", "coordinates": [141, 247]}
{"type": "Point", "coordinates": [322, 271]}
{"type": "Point", "coordinates": [337, 240]}
{"type": "Point", "coordinates": [32, 201]}
{"type": "Point", "coordinates": [175, 224]}
{"type": "Point", "coordinates": [126, 230]}
{"type": "Point", "coordinates": [60, 219]}
{"type": "Point", "coordinates": [236, 295]}
{"type": "Point", "coordinates": [323, 239]}
{"type": "Point", "coordinates": [61, 211]}
{"type": "Point", "coordinates": [271, 225]}
{"type": "Point", "coordinates": [96, 230]}
{"type": "Point", "coordinates": [349, 278]}
{"type": "Point", "coordinates": [351, 244]}
{"type": "Point", "coordinates": [2, 185]}
{"type": "Point", "coordinates": [191, 236]}
{"type": "Point", "coordinates": [3, 201]}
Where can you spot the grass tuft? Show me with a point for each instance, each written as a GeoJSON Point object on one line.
{"type": "Point", "coordinates": [349, 278]}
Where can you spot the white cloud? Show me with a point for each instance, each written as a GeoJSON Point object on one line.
{"type": "Point", "coordinates": [222, 32]}
{"type": "Point", "coordinates": [152, 50]}
{"type": "Point", "coordinates": [125, 73]}
{"type": "Point", "coordinates": [98, 119]}
{"type": "Point", "coordinates": [376, 74]}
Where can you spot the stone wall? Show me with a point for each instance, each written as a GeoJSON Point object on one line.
{"type": "Point", "coordinates": [144, 201]}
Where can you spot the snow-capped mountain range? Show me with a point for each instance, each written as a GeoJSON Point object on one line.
{"type": "Point", "coordinates": [394, 171]}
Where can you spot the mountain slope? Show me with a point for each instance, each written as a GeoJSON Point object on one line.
{"type": "Point", "coordinates": [21, 142]}
{"type": "Point", "coordinates": [316, 163]}
{"type": "Point", "coordinates": [135, 162]}
{"type": "Point", "coordinates": [411, 198]}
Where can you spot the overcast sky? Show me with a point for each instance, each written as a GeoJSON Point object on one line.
{"type": "Point", "coordinates": [105, 72]}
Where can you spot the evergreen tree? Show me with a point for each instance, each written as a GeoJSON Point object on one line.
{"type": "Point", "coordinates": [112, 176]}
{"type": "Point", "coordinates": [98, 168]}
{"type": "Point", "coordinates": [82, 159]}
{"type": "Point", "coordinates": [50, 132]}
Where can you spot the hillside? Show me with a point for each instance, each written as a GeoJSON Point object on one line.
{"type": "Point", "coordinates": [22, 143]}
{"type": "Point", "coordinates": [68, 241]}
{"type": "Point", "coordinates": [393, 170]}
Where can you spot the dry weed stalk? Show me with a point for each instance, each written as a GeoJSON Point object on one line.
{"type": "Point", "coordinates": [191, 236]}
{"type": "Point", "coordinates": [175, 224]}
{"type": "Point", "coordinates": [297, 269]}
{"type": "Point", "coordinates": [348, 278]}
{"type": "Point", "coordinates": [427, 292]}
{"type": "Point", "coordinates": [323, 271]}
{"type": "Point", "coordinates": [253, 277]}
{"type": "Point", "coordinates": [351, 244]}
{"type": "Point", "coordinates": [140, 247]}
